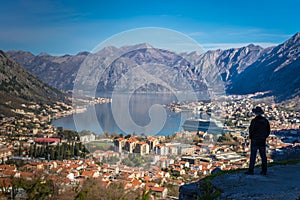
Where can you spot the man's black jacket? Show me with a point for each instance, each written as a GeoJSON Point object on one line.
{"type": "Point", "coordinates": [259, 130]}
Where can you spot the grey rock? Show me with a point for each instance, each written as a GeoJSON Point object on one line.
{"type": "Point", "coordinates": [281, 182]}
{"type": "Point", "coordinates": [243, 70]}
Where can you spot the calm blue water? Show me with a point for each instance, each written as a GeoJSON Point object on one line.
{"type": "Point", "coordinates": [124, 114]}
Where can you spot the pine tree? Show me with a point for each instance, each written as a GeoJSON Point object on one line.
{"type": "Point", "coordinates": [59, 157]}
{"type": "Point", "coordinates": [52, 153]}
{"type": "Point", "coordinates": [72, 149]}
{"type": "Point", "coordinates": [31, 151]}
{"type": "Point", "coordinates": [20, 150]}
{"type": "Point", "coordinates": [47, 152]}
{"type": "Point", "coordinates": [34, 150]}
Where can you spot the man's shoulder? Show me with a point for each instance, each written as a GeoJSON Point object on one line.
{"type": "Point", "coordinates": [265, 119]}
{"type": "Point", "coordinates": [260, 117]}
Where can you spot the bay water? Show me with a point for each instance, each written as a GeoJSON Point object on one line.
{"type": "Point", "coordinates": [138, 106]}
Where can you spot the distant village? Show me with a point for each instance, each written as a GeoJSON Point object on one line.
{"type": "Point", "coordinates": [31, 148]}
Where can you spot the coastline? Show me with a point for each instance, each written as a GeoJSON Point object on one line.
{"type": "Point", "coordinates": [77, 109]}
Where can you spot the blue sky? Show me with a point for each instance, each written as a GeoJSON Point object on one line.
{"type": "Point", "coordinates": [68, 27]}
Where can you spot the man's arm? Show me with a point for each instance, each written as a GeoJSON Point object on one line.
{"type": "Point", "coordinates": [251, 129]}
{"type": "Point", "coordinates": [268, 128]}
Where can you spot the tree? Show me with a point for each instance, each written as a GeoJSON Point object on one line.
{"type": "Point", "coordinates": [127, 136]}
{"type": "Point", "coordinates": [229, 123]}
{"type": "Point", "coordinates": [127, 162]}
{"type": "Point", "coordinates": [47, 152]}
{"type": "Point", "coordinates": [208, 191]}
{"type": "Point", "coordinates": [31, 151]}
{"type": "Point", "coordinates": [76, 149]}
{"type": "Point", "coordinates": [173, 190]}
{"type": "Point", "coordinates": [70, 135]}
{"type": "Point", "coordinates": [37, 188]}
{"type": "Point", "coordinates": [197, 139]}
{"type": "Point", "coordinates": [60, 129]}
{"type": "Point", "coordinates": [112, 160]}
{"type": "Point", "coordinates": [115, 135]}
{"type": "Point", "coordinates": [146, 195]}
{"type": "Point", "coordinates": [20, 149]}
{"type": "Point", "coordinates": [52, 153]}
{"type": "Point", "coordinates": [57, 155]}
{"type": "Point", "coordinates": [95, 189]}
{"type": "Point", "coordinates": [106, 134]}
{"type": "Point", "coordinates": [5, 184]}
{"type": "Point", "coordinates": [34, 150]}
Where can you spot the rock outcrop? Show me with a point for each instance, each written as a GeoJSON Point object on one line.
{"type": "Point", "coordinates": [281, 182]}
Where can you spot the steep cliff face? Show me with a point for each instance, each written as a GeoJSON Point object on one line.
{"type": "Point", "coordinates": [233, 62]}
{"type": "Point", "coordinates": [276, 70]}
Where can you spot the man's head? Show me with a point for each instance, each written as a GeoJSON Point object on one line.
{"type": "Point", "coordinates": [258, 110]}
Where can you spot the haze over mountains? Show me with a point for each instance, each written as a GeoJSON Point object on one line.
{"type": "Point", "coordinates": [243, 70]}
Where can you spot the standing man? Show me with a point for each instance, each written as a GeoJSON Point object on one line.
{"type": "Point", "coordinates": [259, 130]}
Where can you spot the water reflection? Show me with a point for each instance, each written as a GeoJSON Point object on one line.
{"type": "Point", "coordinates": [139, 105]}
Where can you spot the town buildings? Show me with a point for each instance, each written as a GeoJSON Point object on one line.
{"type": "Point", "coordinates": [187, 157]}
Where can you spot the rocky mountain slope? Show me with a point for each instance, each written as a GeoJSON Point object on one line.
{"type": "Point", "coordinates": [243, 70]}
{"type": "Point", "coordinates": [276, 70]}
{"type": "Point", "coordinates": [281, 182]}
{"type": "Point", "coordinates": [18, 86]}
{"type": "Point", "coordinates": [160, 65]}
{"type": "Point", "coordinates": [56, 71]}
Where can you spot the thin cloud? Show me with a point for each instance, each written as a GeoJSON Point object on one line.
{"type": "Point", "coordinates": [246, 32]}
{"type": "Point", "coordinates": [276, 35]}
{"type": "Point", "coordinates": [258, 33]}
{"type": "Point", "coordinates": [214, 46]}
{"type": "Point", "coordinates": [196, 34]}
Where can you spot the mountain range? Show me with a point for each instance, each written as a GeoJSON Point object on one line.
{"type": "Point", "coordinates": [18, 86]}
{"type": "Point", "coordinates": [245, 70]}
{"type": "Point", "coordinates": [276, 70]}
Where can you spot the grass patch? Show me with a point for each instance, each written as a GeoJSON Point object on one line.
{"type": "Point", "coordinates": [284, 162]}
{"type": "Point", "coordinates": [97, 145]}
{"type": "Point", "coordinates": [209, 191]}
{"type": "Point", "coordinates": [212, 176]}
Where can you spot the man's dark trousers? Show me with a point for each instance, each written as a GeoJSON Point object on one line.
{"type": "Point", "coordinates": [262, 152]}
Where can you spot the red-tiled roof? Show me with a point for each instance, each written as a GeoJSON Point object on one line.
{"type": "Point", "coordinates": [158, 189]}
{"type": "Point", "coordinates": [87, 173]}
{"type": "Point", "coordinates": [26, 174]}
{"type": "Point", "coordinates": [7, 167]}
{"type": "Point", "coordinates": [136, 183]}
{"type": "Point", "coordinates": [142, 143]}
{"type": "Point", "coordinates": [7, 172]}
{"type": "Point", "coordinates": [46, 140]}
